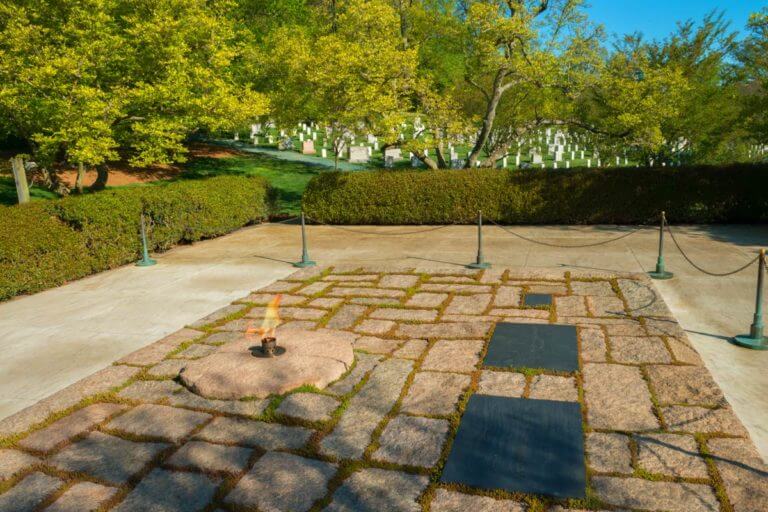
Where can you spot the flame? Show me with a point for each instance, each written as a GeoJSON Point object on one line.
{"type": "Point", "coordinates": [271, 319]}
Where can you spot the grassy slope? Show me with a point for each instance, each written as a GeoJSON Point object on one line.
{"type": "Point", "coordinates": [289, 179]}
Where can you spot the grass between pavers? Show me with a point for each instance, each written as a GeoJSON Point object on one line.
{"type": "Point", "coordinates": [347, 467]}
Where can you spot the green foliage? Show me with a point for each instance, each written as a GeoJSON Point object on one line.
{"type": "Point", "coordinates": [47, 243]}
{"type": "Point", "coordinates": [610, 196]}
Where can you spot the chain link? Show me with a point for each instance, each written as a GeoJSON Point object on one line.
{"type": "Point", "coordinates": [567, 246]}
{"type": "Point", "coordinates": [709, 273]}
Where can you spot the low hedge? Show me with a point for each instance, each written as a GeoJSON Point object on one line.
{"type": "Point", "coordinates": [577, 196]}
{"type": "Point", "coordinates": [47, 243]}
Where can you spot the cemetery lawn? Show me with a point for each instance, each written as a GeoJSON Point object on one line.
{"type": "Point", "coordinates": [8, 192]}
{"type": "Point", "coordinates": [287, 178]}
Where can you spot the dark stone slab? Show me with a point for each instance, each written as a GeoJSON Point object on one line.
{"type": "Point", "coordinates": [519, 445]}
{"type": "Point", "coordinates": [537, 299]}
{"type": "Point", "coordinates": [552, 347]}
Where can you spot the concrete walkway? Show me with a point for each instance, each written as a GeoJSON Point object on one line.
{"type": "Point", "coordinates": [54, 338]}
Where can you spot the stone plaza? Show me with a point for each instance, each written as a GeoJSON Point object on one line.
{"type": "Point", "coordinates": [658, 433]}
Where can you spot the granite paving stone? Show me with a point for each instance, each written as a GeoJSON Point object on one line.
{"type": "Point", "coordinates": [608, 452]}
{"type": "Point", "coordinates": [744, 473]}
{"type": "Point", "coordinates": [70, 426]}
{"type": "Point", "coordinates": [28, 494]}
{"type": "Point", "coordinates": [398, 281]}
{"type": "Point", "coordinates": [366, 409]}
{"type": "Point", "coordinates": [156, 352]}
{"type": "Point", "coordinates": [547, 289]}
{"type": "Point", "coordinates": [411, 315]}
{"type": "Point", "coordinates": [452, 279]}
{"type": "Point", "coordinates": [411, 349]}
{"type": "Point", "coordinates": [374, 301]}
{"type": "Point", "coordinates": [345, 317]}
{"type": "Point", "coordinates": [647, 495]}
{"type": "Point", "coordinates": [314, 288]}
{"type": "Point", "coordinates": [343, 291]}
{"type": "Point", "coordinates": [158, 421]}
{"type": "Point", "coordinates": [308, 406]}
{"type": "Point", "coordinates": [370, 490]}
{"type": "Point", "coordinates": [269, 436]}
{"type": "Point", "coordinates": [82, 497]}
{"type": "Point", "coordinates": [150, 390]}
{"type": "Point", "coordinates": [363, 364]}
{"type": "Point", "coordinates": [593, 347]}
{"type": "Point", "coordinates": [427, 300]}
{"type": "Point", "coordinates": [210, 457]}
{"type": "Point", "coordinates": [469, 304]}
{"type": "Point", "coordinates": [683, 352]}
{"type": "Point", "coordinates": [100, 382]}
{"type": "Point", "coordinates": [376, 345]}
{"type": "Point", "coordinates": [570, 306]}
{"type": "Point", "coordinates": [691, 385]}
{"type": "Point", "coordinates": [412, 441]}
{"type": "Point", "coordinates": [492, 275]}
{"type": "Point", "coordinates": [508, 296]}
{"type": "Point", "coordinates": [453, 355]}
{"type": "Point", "coordinates": [605, 306]}
{"type": "Point", "coordinates": [670, 455]}
{"type": "Point", "coordinates": [170, 491]}
{"type": "Point", "coordinates": [290, 313]}
{"type": "Point", "coordinates": [222, 337]}
{"type": "Point", "coordinates": [13, 462]}
{"type": "Point", "coordinates": [538, 314]}
{"type": "Point", "coordinates": [507, 384]}
{"type": "Point", "coordinates": [185, 398]}
{"type": "Point", "coordinates": [107, 457]}
{"type": "Point", "coordinates": [167, 368]}
{"type": "Point", "coordinates": [642, 299]}
{"type": "Point", "coordinates": [375, 326]}
{"type": "Point", "coordinates": [326, 302]}
{"type": "Point", "coordinates": [282, 482]}
{"type": "Point", "coordinates": [594, 288]}
{"type": "Point", "coordinates": [553, 387]}
{"type": "Point", "coordinates": [445, 330]}
{"type": "Point", "coordinates": [265, 298]}
{"type": "Point", "coordinates": [451, 501]}
{"type": "Point", "coordinates": [434, 393]}
{"type": "Point", "coordinates": [639, 350]}
{"type": "Point", "coordinates": [352, 278]}
{"type": "Point", "coordinates": [195, 351]}
{"type": "Point", "coordinates": [617, 398]}
{"type": "Point", "coordinates": [681, 418]}
{"type": "Point", "coordinates": [280, 287]}
{"type": "Point", "coordinates": [219, 314]}
{"type": "Point", "coordinates": [455, 288]}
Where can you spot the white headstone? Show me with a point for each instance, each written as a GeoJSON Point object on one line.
{"type": "Point", "coordinates": [358, 154]}
{"type": "Point", "coordinates": [301, 136]}
{"type": "Point", "coordinates": [237, 136]}
{"type": "Point", "coordinates": [504, 162]}
{"type": "Point", "coordinates": [324, 153]}
{"type": "Point", "coordinates": [370, 150]}
{"type": "Point", "coordinates": [589, 162]}
{"type": "Point", "coordinates": [308, 147]}
{"type": "Point", "coordinates": [394, 153]}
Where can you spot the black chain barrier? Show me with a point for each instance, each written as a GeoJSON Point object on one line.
{"type": "Point", "coordinates": [568, 246]}
{"type": "Point", "coordinates": [705, 271]}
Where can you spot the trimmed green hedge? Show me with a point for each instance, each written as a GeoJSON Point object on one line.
{"type": "Point", "coordinates": [578, 196]}
{"type": "Point", "coordinates": [47, 243]}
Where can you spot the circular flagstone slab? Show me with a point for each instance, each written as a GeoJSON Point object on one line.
{"type": "Point", "coordinates": [311, 358]}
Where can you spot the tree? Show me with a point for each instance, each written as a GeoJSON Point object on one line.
{"type": "Point", "coordinates": [83, 80]}
{"type": "Point", "coordinates": [351, 74]}
{"type": "Point", "coordinates": [754, 57]}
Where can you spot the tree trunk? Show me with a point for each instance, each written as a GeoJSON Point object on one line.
{"type": "Point", "coordinates": [488, 119]}
{"type": "Point", "coordinates": [80, 177]}
{"type": "Point", "coordinates": [427, 161]}
{"type": "Point", "coordinates": [102, 175]}
{"type": "Point", "coordinates": [20, 177]}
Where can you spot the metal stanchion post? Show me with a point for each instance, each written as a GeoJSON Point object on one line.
{"type": "Point", "coordinates": [756, 340]}
{"type": "Point", "coordinates": [480, 263]}
{"type": "Point", "coordinates": [145, 260]}
{"type": "Point", "coordinates": [661, 271]}
{"type": "Point", "coordinates": [305, 261]}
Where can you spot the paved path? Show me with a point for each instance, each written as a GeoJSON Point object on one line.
{"type": "Point", "coordinates": [54, 338]}
{"type": "Point", "coordinates": [292, 156]}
